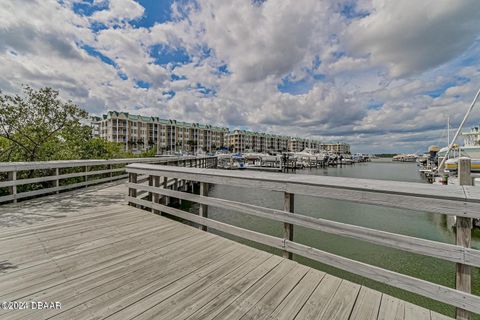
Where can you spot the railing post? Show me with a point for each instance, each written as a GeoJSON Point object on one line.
{"type": "Point", "coordinates": [289, 206]}
{"type": "Point", "coordinates": [165, 184]}
{"type": "Point", "coordinates": [110, 167]}
{"type": "Point", "coordinates": [203, 212]}
{"type": "Point", "coordinates": [150, 194]}
{"type": "Point", "coordinates": [86, 177]}
{"type": "Point", "coordinates": [156, 196]}
{"type": "Point", "coordinates": [464, 238]}
{"type": "Point", "coordinates": [57, 181]}
{"type": "Point", "coordinates": [132, 192]}
{"type": "Point", "coordinates": [12, 176]}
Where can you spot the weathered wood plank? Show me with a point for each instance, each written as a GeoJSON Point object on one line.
{"type": "Point", "coordinates": [209, 306]}
{"type": "Point", "coordinates": [288, 206]}
{"type": "Point", "coordinates": [464, 238]}
{"type": "Point", "coordinates": [435, 249]}
{"type": "Point", "coordinates": [438, 316]}
{"type": "Point", "coordinates": [413, 312]}
{"type": "Point", "coordinates": [152, 267]}
{"type": "Point", "coordinates": [407, 195]}
{"type": "Point", "coordinates": [428, 289]}
{"type": "Point", "coordinates": [108, 303]}
{"type": "Point", "coordinates": [367, 305]}
{"type": "Point", "coordinates": [318, 301]}
{"type": "Point", "coordinates": [391, 308]}
{"type": "Point", "coordinates": [341, 304]}
{"type": "Point", "coordinates": [431, 290]}
{"type": "Point", "coordinates": [38, 165]}
{"type": "Point", "coordinates": [20, 283]}
{"type": "Point", "coordinates": [269, 302]}
{"type": "Point", "coordinates": [293, 303]}
{"type": "Point", "coordinates": [78, 240]}
{"type": "Point", "coordinates": [91, 281]}
{"type": "Point", "coordinates": [200, 277]}
{"type": "Point", "coordinates": [186, 302]}
{"type": "Point", "coordinates": [244, 303]}
{"type": "Point", "coordinates": [40, 192]}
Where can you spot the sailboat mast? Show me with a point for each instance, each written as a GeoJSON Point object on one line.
{"type": "Point", "coordinates": [448, 130]}
{"type": "Point", "coordinates": [459, 129]}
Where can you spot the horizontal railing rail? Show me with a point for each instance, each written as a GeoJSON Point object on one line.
{"type": "Point", "coordinates": [21, 180]}
{"type": "Point", "coordinates": [458, 200]}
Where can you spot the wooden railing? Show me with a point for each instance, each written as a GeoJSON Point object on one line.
{"type": "Point", "coordinates": [454, 200]}
{"type": "Point", "coordinates": [23, 180]}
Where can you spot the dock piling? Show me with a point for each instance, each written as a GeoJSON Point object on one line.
{"type": "Point", "coordinates": [464, 239]}
{"type": "Point", "coordinates": [288, 206]}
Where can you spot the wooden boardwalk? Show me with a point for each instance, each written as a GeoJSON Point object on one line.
{"type": "Point", "coordinates": [102, 259]}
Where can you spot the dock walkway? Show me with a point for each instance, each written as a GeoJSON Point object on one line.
{"type": "Point", "coordinates": [103, 259]}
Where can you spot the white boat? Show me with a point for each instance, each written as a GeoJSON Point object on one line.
{"type": "Point", "coordinates": [254, 158]}
{"type": "Point", "coordinates": [309, 158]}
{"type": "Point", "coordinates": [405, 157]}
{"type": "Point", "coordinates": [470, 149]}
{"type": "Point", "coordinates": [230, 161]}
{"type": "Point", "coordinates": [451, 165]}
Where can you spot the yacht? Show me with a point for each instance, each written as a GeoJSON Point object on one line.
{"type": "Point", "coordinates": [470, 149]}
{"type": "Point", "coordinates": [405, 157]}
{"type": "Point", "coordinates": [231, 161]}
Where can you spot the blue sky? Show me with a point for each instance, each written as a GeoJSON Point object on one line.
{"type": "Point", "coordinates": [377, 74]}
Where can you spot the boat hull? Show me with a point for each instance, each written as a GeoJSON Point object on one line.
{"type": "Point", "coordinates": [452, 165]}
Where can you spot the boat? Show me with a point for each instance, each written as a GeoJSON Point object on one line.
{"type": "Point", "coordinates": [470, 149]}
{"type": "Point", "coordinates": [231, 161]}
{"type": "Point", "coordinates": [405, 157]}
{"type": "Point", "coordinates": [254, 158]}
{"type": "Point", "coordinates": [451, 165]}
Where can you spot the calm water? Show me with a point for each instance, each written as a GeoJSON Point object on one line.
{"type": "Point", "coordinates": [413, 223]}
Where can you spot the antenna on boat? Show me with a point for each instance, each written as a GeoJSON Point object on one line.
{"type": "Point", "coordinates": [450, 145]}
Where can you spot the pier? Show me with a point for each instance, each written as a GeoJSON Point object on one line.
{"type": "Point", "coordinates": [109, 248]}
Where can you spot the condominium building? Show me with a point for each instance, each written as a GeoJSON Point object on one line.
{"type": "Point", "coordinates": [139, 133]}
{"type": "Point", "coordinates": [300, 144]}
{"type": "Point", "coordinates": [243, 141]}
{"type": "Point", "coordinates": [337, 148]}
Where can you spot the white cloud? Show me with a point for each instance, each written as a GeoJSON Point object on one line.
{"type": "Point", "coordinates": [261, 44]}
{"type": "Point", "coordinates": [118, 11]}
{"type": "Point", "coordinates": [258, 41]}
{"type": "Point", "coordinates": [413, 36]}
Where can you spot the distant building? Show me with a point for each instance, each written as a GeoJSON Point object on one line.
{"type": "Point", "coordinates": [140, 133]}
{"type": "Point", "coordinates": [300, 144]}
{"type": "Point", "coordinates": [337, 148]}
{"type": "Point", "coordinates": [243, 141]}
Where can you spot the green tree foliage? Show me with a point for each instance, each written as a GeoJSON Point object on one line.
{"type": "Point", "coordinates": [41, 126]}
{"type": "Point", "coordinates": [37, 120]}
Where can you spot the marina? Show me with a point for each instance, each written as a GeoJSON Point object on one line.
{"type": "Point", "coordinates": [247, 160]}
{"type": "Point", "coordinates": [118, 262]}
{"type": "Point", "coordinates": [225, 215]}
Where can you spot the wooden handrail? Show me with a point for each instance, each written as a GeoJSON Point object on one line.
{"type": "Point", "coordinates": [415, 196]}
{"type": "Point", "coordinates": [451, 199]}
{"type": "Point", "coordinates": [91, 172]}
{"type": "Point", "coordinates": [440, 250]}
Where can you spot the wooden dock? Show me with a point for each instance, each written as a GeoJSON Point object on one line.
{"type": "Point", "coordinates": [109, 260]}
